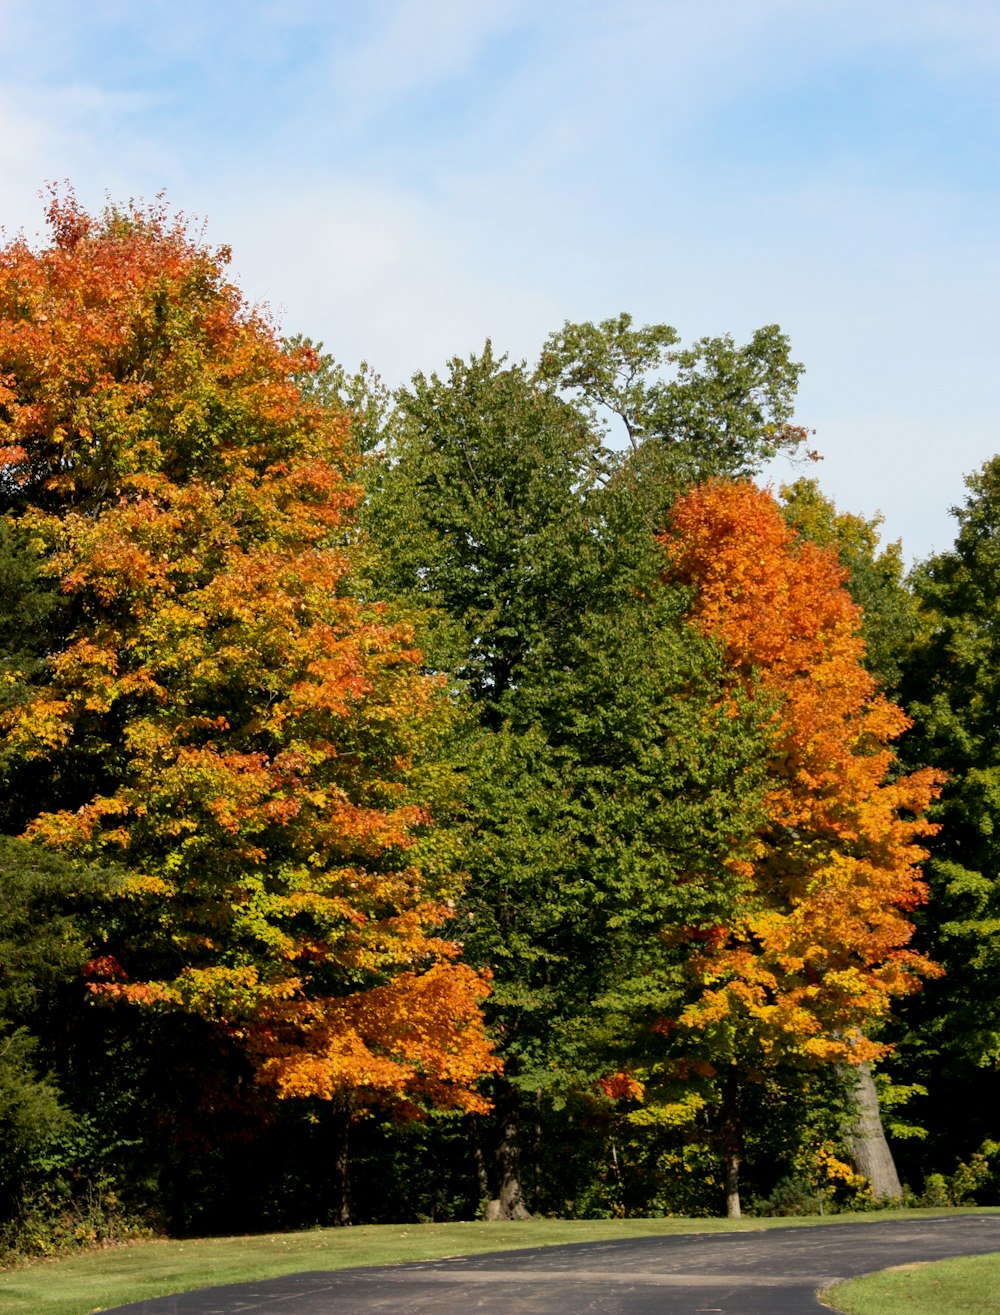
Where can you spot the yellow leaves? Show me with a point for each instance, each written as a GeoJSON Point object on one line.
{"type": "Point", "coordinates": [223, 992]}
{"type": "Point", "coordinates": [35, 729]}
{"type": "Point", "coordinates": [145, 886]}
{"type": "Point", "coordinates": [831, 1169]}
{"type": "Point", "coordinates": [671, 1114]}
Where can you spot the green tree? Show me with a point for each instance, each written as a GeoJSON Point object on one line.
{"type": "Point", "coordinates": [951, 687]}
{"type": "Point", "coordinates": [483, 512]}
{"type": "Point", "coordinates": [720, 409]}
{"type": "Point", "coordinates": [607, 790]}
{"type": "Point", "coordinates": [33, 620]}
{"type": "Point", "coordinates": [42, 950]}
{"type": "Point", "coordinates": [875, 575]}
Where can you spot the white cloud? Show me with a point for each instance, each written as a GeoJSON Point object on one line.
{"type": "Point", "coordinates": [376, 274]}
{"type": "Point", "coordinates": [416, 44]}
{"type": "Point", "coordinates": [560, 172]}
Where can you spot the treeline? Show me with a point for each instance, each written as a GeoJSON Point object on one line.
{"type": "Point", "coordinates": [478, 799]}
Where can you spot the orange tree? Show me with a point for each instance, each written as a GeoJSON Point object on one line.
{"type": "Point", "coordinates": [820, 947]}
{"type": "Point", "coordinates": [218, 710]}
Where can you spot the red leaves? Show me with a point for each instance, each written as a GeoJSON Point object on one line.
{"type": "Point", "coordinates": [68, 223]}
{"type": "Point", "coordinates": [621, 1086]}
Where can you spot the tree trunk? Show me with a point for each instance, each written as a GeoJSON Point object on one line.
{"type": "Point", "coordinates": [479, 1159]}
{"type": "Point", "coordinates": [733, 1186]}
{"type": "Point", "coordinates": [732, 1143]}
{"type": "Point", "coordinates": [536, 1176]}
{"type": "Point", "coordinates": [340, 1181]}
{"type": "Point", "coordinates": [510, 1202]}
{"type": "Point", "coordinates": [866, 1141]}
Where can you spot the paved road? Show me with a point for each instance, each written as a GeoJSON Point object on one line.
{"type": "Point", "coordinates": [771, 1272]}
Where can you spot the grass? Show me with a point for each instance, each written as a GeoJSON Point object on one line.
{"type": "Point", "coordinates": [968, 1285]}
{"type": "Point", "coordinates": [95, 1280]}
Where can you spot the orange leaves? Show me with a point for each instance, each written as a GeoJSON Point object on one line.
{"type": "Point", "coordinates": [416, 1038]}
{"type": "Point", "coordinates": [777, 602]}
{"type": "Point", "coordinates": [621, 1086]}
{"type": "Point", "coordinates": [122, 351]}
{"type": "Point", "coordinates": [239, 728]}
{"type": "Point", "coordinates": [819, 950]}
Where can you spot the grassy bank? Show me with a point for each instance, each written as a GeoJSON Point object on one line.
{"type": "Point", "coordinates": [968, 1285]}
{"type": "Point", "coordinates": [96, 1280]}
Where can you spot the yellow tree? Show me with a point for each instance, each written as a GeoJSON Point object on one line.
{"type": "Point", "coordinates": [221, 713]}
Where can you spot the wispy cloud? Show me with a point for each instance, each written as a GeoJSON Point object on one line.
{"type": "Point", "coordinates": [402, 178]}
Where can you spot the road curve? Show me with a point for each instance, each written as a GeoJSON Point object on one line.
{"type": "Point", "coordinates": [771, 1272]}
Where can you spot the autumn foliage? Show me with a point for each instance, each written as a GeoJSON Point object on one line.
{"type": "Point", "coordinates": [224, 716]}
{"type": "Point", "coordinates": [651, 794]}
{"type": "Point", "coordinates": [821, 944]}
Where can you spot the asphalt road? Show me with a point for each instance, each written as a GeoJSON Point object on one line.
{"type": "Point", "coordinates": [771, 1272]}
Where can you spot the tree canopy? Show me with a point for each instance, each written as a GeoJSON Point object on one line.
{"type": "Point", "coordinates": [223, 713]}
{"type": "Point", "coordinates": [819, 947]}
{"type": "Point", "coordinates": [718, 408]}
{"type": "Point", "coordinates": [951, 1042]}
{"type": "Point", "coordinates": [434, 762]}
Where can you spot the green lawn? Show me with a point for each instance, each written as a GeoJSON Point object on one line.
{"type": "Point", "coordinates": [96, 1280]}
{"type": "Point", "coordinates": [969, 1285]}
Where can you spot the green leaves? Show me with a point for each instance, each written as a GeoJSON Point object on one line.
{"type": "Point", "coordinates": [951, 687]}
{"type": "Point", "coordinates": [721, 409]}
{"type": "Point", "coordinates": [42, 948]}
{"type": "Point", "coordinates": [482, 514]}
{"type": "Point", "coordinates": [610, 778]}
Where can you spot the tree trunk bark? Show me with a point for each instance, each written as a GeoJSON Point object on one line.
{"type": "Point", "coordinates": [733, 1186]}
{"type": "Point", "coordinates": [479, 1159]}
{"type": "Point", "coordinates": [510, 1202]}
{"type": "Point", "coordinates": [866, 1141]}
{"type": "Point", "coordinates": [732, 1143]}
{"type": "Point", "coordinates": [536, 1175]}
{"type": "Point", "coordinates": [340, 1179]}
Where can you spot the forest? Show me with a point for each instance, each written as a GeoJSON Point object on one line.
{"type": "Point", "coordinates": [483, 798]}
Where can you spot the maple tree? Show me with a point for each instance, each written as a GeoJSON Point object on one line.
{"type": "Point", "coordinates": [222, 713]}
{"type": "Point", "coordinates": [820, 947]}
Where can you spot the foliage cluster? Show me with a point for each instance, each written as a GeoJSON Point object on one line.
{"type": "Point", "coordinates": [430, 769]}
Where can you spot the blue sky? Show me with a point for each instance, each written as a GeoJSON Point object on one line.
{"type": "Point", "coordinates": [402, 178]}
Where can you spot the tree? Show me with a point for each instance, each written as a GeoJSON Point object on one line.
{"type": "Point", "coordinates": [222, 713]}
{"type": "Point", "coordinates": [821, 946]}
{"type": "Point", "coordinates": [41, 950]}
{"type": "Point", "coordinates": [483, 511]}
{"type": "Point", "coordinates": [605, 789]}
{"type": "Point", "coordinates": [720, 410]}
{"type": "Point", "coordinates": [615, 816]}
{"type": "Point", "coordinates": [32, 622]}
{"type": "Point", "coordinates": [951, 1041]}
